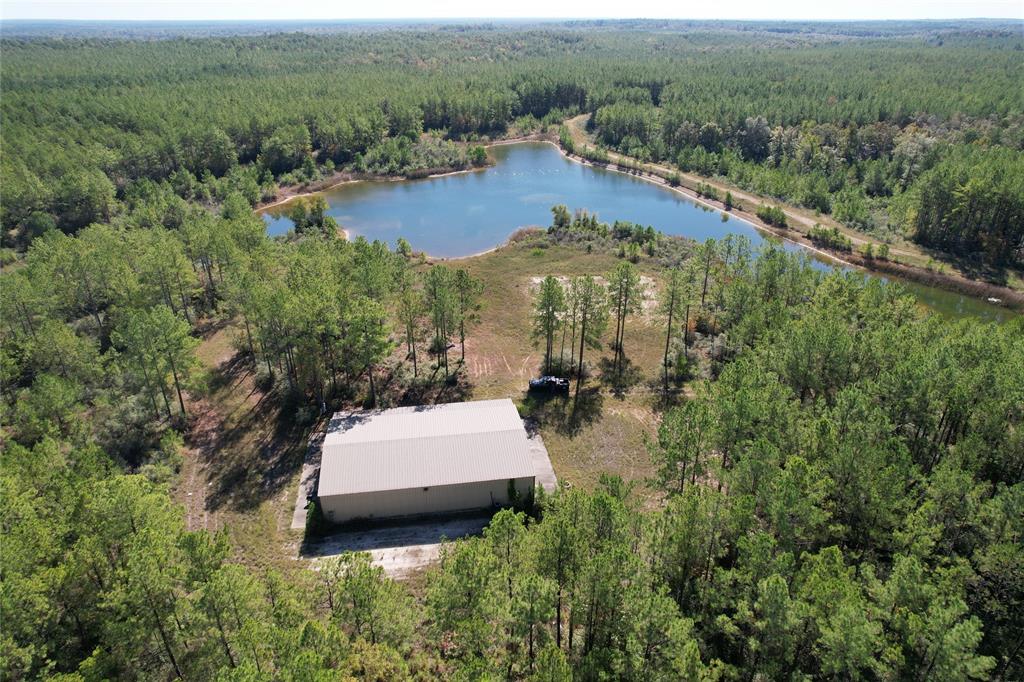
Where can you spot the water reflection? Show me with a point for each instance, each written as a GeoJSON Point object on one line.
{"type": "Point", "coordinates": [466, 213]}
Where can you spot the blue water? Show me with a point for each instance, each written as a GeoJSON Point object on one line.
{"type": "Point", "coordinates": [462, 214]}
{"type": "Point", "coordinates": [466, 213]}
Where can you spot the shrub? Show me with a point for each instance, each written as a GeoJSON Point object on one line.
{"type": "Point", "coordinates": [477, 155]}
{"type": "Point", "coordinates": [681, 369]}
{"type": "Point", "coordinates": [707, 191]}
{"type": "Point", "coordinates": [772, 215]}
{"type": "Point", "coordinates": [403, 247]}
{"type": "Point", "coordinates": [316, 524]}
{"type": "Point", "coordinates": [565, 139]}
{"type": "Point", "coordinates": [831, 238]}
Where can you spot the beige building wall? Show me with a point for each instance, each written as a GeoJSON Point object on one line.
{"type": "Point", "coordinates": [412, 501]}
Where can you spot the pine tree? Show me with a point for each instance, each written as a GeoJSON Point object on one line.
{"type": "Point", "coordinates": [549, 306]}
{"type": "Point", "coordinates": [625, 293]}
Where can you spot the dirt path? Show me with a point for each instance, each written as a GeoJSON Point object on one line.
{"type": "Point", "coordinates": [205, 426]}
{"type": "Point", "coordinates": [579, 136]}
{"type": "Point", "coordinates": [193, 484]}
{"type": "Point", "coordinates": [242, 457]}
{"type": "Point", "coordinates": [908, 269]}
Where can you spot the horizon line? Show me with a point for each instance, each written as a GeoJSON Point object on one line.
{"type": "Point", "coordinates": [504, 19]}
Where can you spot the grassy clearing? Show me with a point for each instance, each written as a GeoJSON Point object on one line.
{"type": "Point", "coordinates": [244, 452]}
{"type": "Point", "coordinates": [242, 458]}
{"type": "Point", "coordinates": [500, 359]}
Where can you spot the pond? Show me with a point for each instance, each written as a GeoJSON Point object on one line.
{"type": "Point", "coordinates": [466, 213]}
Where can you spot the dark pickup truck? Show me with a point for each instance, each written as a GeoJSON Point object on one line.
{"type": "Point", "coordinates": [550, 384]}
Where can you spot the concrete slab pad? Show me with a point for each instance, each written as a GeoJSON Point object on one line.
{"type": "Point", "coordinates": [403, 549]}
{"type": "Point", "coordinates": [307, 480]}
{"type": "Point", "coordinates": [542, 468]}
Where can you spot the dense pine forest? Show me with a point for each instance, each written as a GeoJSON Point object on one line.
{"type": "Point", "coordinates": [836, 486]}
{"type": "Point", "coordinates": [867, 129]}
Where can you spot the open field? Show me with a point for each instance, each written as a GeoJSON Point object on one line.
{"type": "Point", "coordinates": [500, 358]}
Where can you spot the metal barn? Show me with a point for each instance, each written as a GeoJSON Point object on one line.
{"type": "Point", "coordinates": [429, 459]}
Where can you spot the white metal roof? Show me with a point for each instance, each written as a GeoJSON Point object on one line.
{"type": "Point", "coordinates": [423, 446]}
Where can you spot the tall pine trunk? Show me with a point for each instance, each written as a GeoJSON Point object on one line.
{"type": "Point", "coordinates": [579, 371]}
{"type": "Point", "coordinates": [149, 387]}
{"type": "Point", "coordinates": [686, 328]}
{"type": "Point", "coordinates": [707, 270]}
{"type": "Point", "coordinates": [177, 386]}
{"type": "Point", "coordinates": [561, 351]}
{"type": "Point", "coordinates": [668, 336]}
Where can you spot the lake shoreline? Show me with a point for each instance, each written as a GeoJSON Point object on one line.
{"type": "Point", "coordinates": [742, 216]}
{"type": "Point", "coordinates": [1008, 298]}
{"type": "Point", "coordinates": [288, 193]}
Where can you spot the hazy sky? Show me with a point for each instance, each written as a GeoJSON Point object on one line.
{"type": "Point", "coordinates": [398, 9]}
